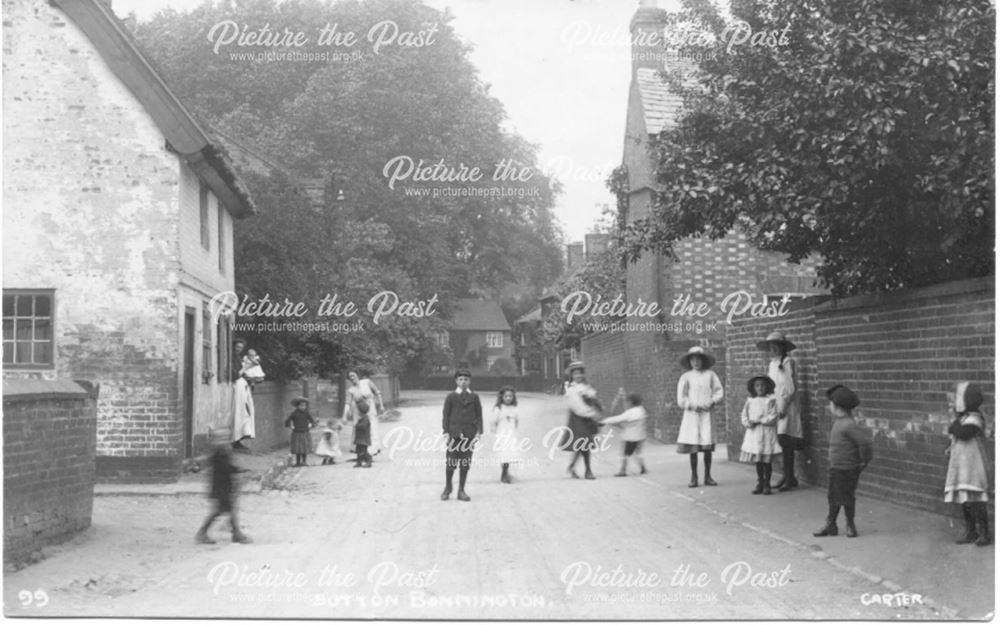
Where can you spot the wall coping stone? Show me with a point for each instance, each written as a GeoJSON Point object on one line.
{"type": "Point", "coordinates": [975, 285]}
{"type": "Point", "coordinates": [17, 390]}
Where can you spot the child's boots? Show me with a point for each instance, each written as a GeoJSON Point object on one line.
{"type": "Point", "coordinates": [241, 538]}
{"type": "Point", "coordinates": [983, 517]}
{"type": "Point", "coordinates": [830, 529]}
{"type": "Point", "coordinates": [970, 526]}
{"type": "Point", "coordinates": [202, 538]}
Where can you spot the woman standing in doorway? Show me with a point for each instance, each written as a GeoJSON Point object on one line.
{"type": "Point", "coordinates": [243, 409]}
{"type": "Point", "coordinates": [781, 370]}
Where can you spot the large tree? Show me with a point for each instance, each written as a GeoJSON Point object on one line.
{"type": "Point", "coordinates": [341, 120]}
{"type": "Point", "coordinates": [861, 130]}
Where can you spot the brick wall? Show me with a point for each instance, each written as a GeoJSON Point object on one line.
{"type": "Point", "coordinates": [902, 353]}
{"type": "Point", "coordinates": [93, 210]}
{"type": "Point", "coordinates": [272, 403]}
{"type": "Point", "coordinates": [649, 364]}
{"type": "Point", "coordinates": [49, 433]}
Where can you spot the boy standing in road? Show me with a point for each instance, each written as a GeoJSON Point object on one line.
{"type": "Point", "coordinates": [462, 425]}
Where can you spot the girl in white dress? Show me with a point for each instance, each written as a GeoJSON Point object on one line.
{"type": "Point", "coordinates": [504, 426]}
{"type": "Point", "coordinates": [781, 370]}
{"type": "Point", "coordinates": [697, 391]}
{"type": "Point", "coordinates": [760, 442]}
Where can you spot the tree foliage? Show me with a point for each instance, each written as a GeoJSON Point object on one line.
{"type": "Point", "coordinates": [866, 138]}
{"type": "Point", "coordinates": [342, 120]}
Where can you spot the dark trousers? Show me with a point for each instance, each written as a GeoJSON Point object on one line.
{"type": "Point", "coordinates": [220, 507]}
{"type": "Point", "coordinates": [362, 454]}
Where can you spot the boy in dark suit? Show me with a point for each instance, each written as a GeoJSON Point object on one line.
{"type": "Point", "coordinates": [463, 425]}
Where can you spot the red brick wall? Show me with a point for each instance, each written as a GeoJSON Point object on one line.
{"type": "Point", "coordinates": [902, 353]}
{"type": "Point", "coordinates": [48, 465]}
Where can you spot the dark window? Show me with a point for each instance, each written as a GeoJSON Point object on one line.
{"type": "Point", "coordinates": [203, 208]}
{"type": "Point", "coordinates": [206, 345]}
{"type": "Point", "coordinates": [222, 237]}
{"type": "Point", "coordinates": [223, 349]}
{"type": "Point", "coordinates": [27, 328]}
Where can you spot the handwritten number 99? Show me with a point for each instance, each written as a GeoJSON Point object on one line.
{"type": "Point", "coordinates": [39, 598]}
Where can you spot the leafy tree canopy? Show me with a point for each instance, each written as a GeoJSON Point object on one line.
{"type": "Point", "coordinates": [866, 137]}
{"type": "Point", "coordinates": [341, 120]}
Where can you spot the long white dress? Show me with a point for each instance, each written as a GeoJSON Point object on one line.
{"type": "Point", "coordinates": [504, 425]}
{"type": "Point", "coordinates": [243, 410]}
{"type": "Point", "coordinates": [782, 373]}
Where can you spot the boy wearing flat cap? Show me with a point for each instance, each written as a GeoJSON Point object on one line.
{"type": "Point", "coordinates": [462, 425]}
{"type": "Point", "coordinates": [850, 453]}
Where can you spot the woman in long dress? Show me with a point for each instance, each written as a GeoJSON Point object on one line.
{"type": "Point", "coordinates": [781, 370]}
{"type": "Point", "coordinates": [243, 409]}
{"type": "Point", "coordinates": [363, 388]}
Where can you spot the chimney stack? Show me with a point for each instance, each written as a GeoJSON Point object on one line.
{"type": "Point", "coordinates": [574, 256]}
{"type": "Point", "coordinates": [647, 36]}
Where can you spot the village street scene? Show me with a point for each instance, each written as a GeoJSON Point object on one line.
{"type": "Point", "coordinates": [517, 310]}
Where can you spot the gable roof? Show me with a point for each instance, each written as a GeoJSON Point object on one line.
{"type": "Point", "coordinates": [207, 158]}
{"type": "Point", "coordinates": [660, 105]}
{"type": "Point", "coordinates": [535, 314]}
{"type": "Point", "coordinates": [477, 314]}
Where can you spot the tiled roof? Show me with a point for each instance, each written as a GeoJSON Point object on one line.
{"type": "Point", "coordinates": [476, 314]}
{"type": "Point", "coordinates": [660, 105]}
{"type": "Point", "coordinates": [533, 315]}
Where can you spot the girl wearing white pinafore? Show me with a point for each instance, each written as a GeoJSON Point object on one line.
{"type": "Point", "coordinates": [697, 391]}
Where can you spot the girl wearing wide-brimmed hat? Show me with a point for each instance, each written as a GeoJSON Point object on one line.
{"type": "Point", "coordinates": [781, 369]}
{"type": "Point", "coordinates": [697, 391]}
{"type": "Point", "coordinates": [760, 442]}
{"type": "Point", "coordinates": [584, 412]}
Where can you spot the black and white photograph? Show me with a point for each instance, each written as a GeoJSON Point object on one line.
{"type": "Point", "coordinates": [499, 310]}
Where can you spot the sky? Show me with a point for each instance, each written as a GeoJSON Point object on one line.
{"type": "Point", "coordinates": [561, 70]}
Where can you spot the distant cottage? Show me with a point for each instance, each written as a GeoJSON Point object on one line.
{"type": "Point", "coordinates": [479, 337]}
{"type": "Point", "coordinates": [118, 230]}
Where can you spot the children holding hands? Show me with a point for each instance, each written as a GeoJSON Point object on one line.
{"type": "Point", "coordinates": [632, 422]}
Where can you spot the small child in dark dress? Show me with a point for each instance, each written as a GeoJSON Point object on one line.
{"type": "Point", "coordinates": [362, 436]}
{"type": "Point", "coordinates": [850, 453]}
{"type": "Point", "coordinates": [301, 422]}
{"type": "Point", "coordinates": [223, 488]}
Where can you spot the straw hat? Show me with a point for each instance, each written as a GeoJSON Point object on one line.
{"type": "Point", "coordinates": [768, 381]}
{"type": "Point", "coordinates": [300, 400]}
{"type": "Point", "coordinates": [777, 338]}
{"type": "Point", "coordinates": [707, 358]}
{"type": "Point", "coordinates": [573, 366]}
